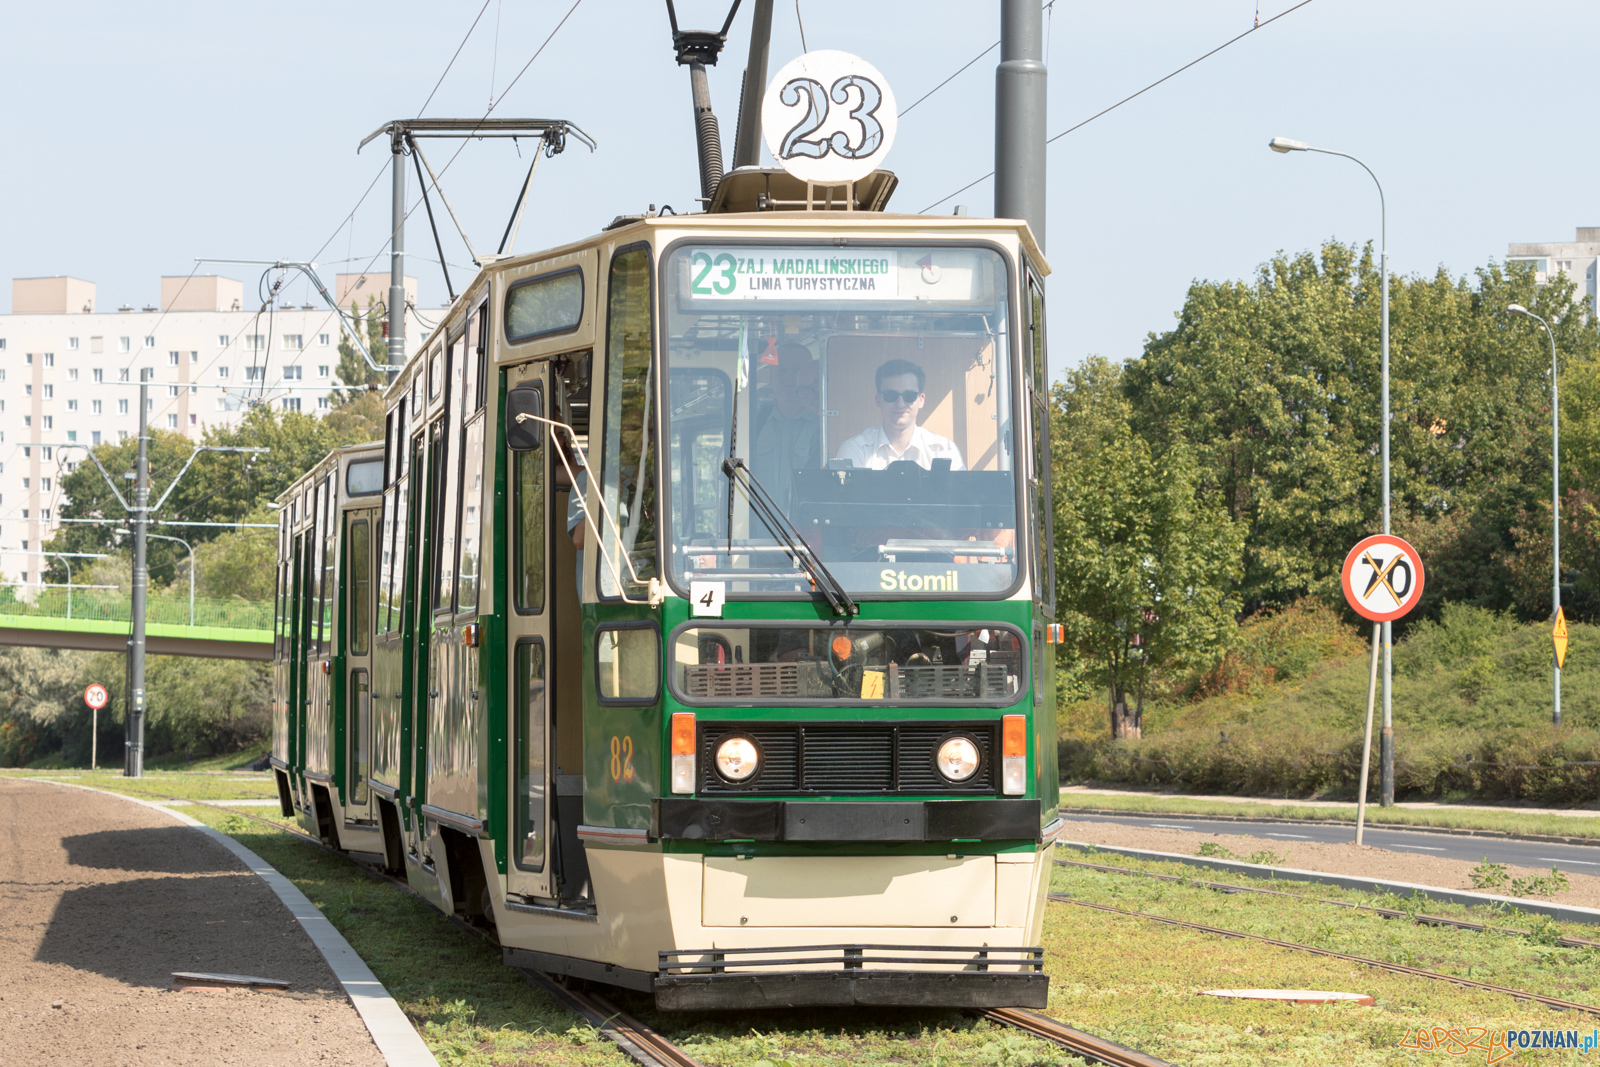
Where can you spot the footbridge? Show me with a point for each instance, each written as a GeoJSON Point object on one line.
{"type": "Point", "coordinates": [100, 620]}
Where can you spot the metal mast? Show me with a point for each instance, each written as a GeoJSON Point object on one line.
{"type": "Point", "coordinates": [133, 761]}
{"type": "Point", "coordinates": [397, 256]}
{"type": "Point", "coordinates": [1019, 117]}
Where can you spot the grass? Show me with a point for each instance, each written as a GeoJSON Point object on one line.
{"type": "Point", "coordinates": [1282, 715]}
{"type": "Point", "coordinates": [1137, 982]}
{"type": "Point", "coordinates": [162, 785]}
{"type": "Point", "coordinates": [1511, 822]}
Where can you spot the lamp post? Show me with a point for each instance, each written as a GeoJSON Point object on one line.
{"type": "Point", "coordinates": [1386, 743]}
{"type": "Point", "coordinates": [185, 544]}
{"type": "Point", "coordinates": [1555, 499]}
{"type": "Point", "coordinates": [66, 558]}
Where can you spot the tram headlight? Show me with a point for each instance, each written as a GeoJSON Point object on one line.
{"type": "Point", "coordinates": [957, 759]}
{"type": "Point", "coordinates": [737, 759]}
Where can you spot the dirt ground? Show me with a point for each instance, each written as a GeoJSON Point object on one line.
{"type": "Point", "coordinates": [101, 900]}
{"type": "Point", "coordinates": [1351, 859]}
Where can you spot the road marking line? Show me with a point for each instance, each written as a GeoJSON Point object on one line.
{"type": "Point", "coordinates": [1169, 826]}
{"type": "Point", "coordinates": [1297, 837]}
{"type": "Point", "coordinates": [1586, 863]}
{"type": "Point", "coordinates": [1424, 848]}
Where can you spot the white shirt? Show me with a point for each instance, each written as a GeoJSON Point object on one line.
{"type": "Point", "coordinates": [871, 448]}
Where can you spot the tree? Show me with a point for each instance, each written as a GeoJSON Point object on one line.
{"type": "Point", "coordinates": [1275, 386]}
{"type": "Point", "coordinates": [1146, 561]}
{"type": "Point", "coordinates": [353, 370]}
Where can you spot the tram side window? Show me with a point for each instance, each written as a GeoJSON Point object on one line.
{"type": "Point", "coordinates": [628, 465]}
{"type": "Point", "coordinates": [314, 635]}
{"type": "Point", "coordinates": [531, 757]}
{"type": "Point", "coordinates": [360, 586]}
{"type": "Point", "coordinates": [627, 663]}
{"type": "Point", "coordinates": [470, 538]}
{"type": "Point", "coordinates": [330, 553]}
{"type": "Point", "coordinates": [1039, 487]}
{"type": "Point", "coordinates": [528, 549]}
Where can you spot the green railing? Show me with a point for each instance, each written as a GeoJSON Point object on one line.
{"type": "Point", "coordinates": [108, 605]}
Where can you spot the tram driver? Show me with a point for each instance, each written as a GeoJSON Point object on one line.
{"type": "Point", "coordinates": [900, 397]}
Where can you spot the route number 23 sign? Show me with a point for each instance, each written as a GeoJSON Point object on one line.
{"type": "Point", "coordinates": [829, 118]}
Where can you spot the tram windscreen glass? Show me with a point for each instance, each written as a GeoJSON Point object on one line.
{"type": "Point", "coordinates": [775, 664]}
{"type": "Point", "coordinates": [869, 391]}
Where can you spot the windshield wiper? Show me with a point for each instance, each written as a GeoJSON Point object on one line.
{"type": "Point", "coordinates": [784, 531]}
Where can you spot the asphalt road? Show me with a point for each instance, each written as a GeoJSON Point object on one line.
{"type": "Point", "coordinates": [1573, 859]}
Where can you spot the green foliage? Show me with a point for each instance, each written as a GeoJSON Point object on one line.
{"type": "Point", "coordinates": [1144, 563]}
{"type": "Point", "coordinates": [1488, 875]}
{"type": "Point", "coordinates": [1540, 885]}
{"type": "Point", "coordinates": [1275, 386]}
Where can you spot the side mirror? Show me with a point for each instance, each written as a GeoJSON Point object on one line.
{"type": "Point", "coordinates": [524, 409]}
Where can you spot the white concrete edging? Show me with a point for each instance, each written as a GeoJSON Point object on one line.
{"type": "Point", "coordinates": [1565, 912]}
{"type": "Point", "coordinates": [397, 1040]}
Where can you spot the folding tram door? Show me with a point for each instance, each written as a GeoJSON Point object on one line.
{"type": "Point", "coordinates": [360, 540]}
{"type": "Point", "coordinates": [544, 672]}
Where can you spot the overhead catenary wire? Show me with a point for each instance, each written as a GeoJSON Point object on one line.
{"type": "Point", "coordinates": [1131, 96]}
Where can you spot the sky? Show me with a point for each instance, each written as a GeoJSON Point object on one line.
{"type": "Point", "coordinates": [138, 137]}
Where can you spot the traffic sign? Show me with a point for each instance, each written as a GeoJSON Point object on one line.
{"type": "Point", "coordinates": [829, 117]}
{"type": "Point", "coordinates": [1382, 577]}
{"type": "Point", "coordinates": [1560, 637]}
{"type": "Point", "coordinates": [96, 696]}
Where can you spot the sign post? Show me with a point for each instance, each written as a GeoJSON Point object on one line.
{"type": "Point", "coordinates": [1382, 580]}
{"type": "Point", "coordinates": [95, 696]}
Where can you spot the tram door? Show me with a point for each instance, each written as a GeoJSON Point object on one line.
{"type": "Point", "coordinates": [530, 598]}
{"type": "Point", "coordinates": [360, 531]}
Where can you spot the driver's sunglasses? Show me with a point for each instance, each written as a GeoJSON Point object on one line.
{"type": "Point", "coordinates": [908, 396]}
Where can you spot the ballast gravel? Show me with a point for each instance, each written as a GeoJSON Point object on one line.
{"type": "Point", "coordinates": [101, 900]}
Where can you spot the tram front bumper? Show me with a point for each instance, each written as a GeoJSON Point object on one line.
{"type": "Point", "coordinates": [847, 975]}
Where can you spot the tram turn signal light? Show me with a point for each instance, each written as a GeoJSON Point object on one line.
{"type": "Point", "coordinates": [1014, 755]}
{"type": "Point", "coordinates": [683, 752]}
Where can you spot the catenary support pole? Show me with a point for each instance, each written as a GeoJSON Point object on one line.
{"type": "Point", "coordinates": [1019, 119]}
{"type": "Point", "coordinates": [133, 762]}
{"type": "Point", "coordinates": [747, 138]}
{"type": "Point", "coordinates": [397, 256]}
{"type": "Point", "coordinates": [1386, 799]}
{"type": "Point", "coordinates": [1555, 515]}
{"type": "Point", "coordinates": [1366, 739]}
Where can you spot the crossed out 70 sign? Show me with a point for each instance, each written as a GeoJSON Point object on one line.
{"type": "Point", "coordinates": [1382, 577]}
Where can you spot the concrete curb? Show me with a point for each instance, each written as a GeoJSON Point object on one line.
{"type": "Point", "coordinates": [1291, 820]}
{"type": "Point", "coordinates": [397, 1040]}
{"type": "Point", "coordinates": [1564, 912]}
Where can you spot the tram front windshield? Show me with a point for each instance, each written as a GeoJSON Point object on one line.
{"type": "Point", "coordinates": [868, 391]}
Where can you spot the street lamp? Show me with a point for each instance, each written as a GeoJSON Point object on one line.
{"type": "Point", "coordinates": [1284, 145]}
{"type": "Point", "coordinates": [185, 544]}
{"type": "Point", "coordinates": [1555, 498]}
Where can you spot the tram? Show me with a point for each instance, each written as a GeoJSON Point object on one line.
{"type": "Point", "coordinates": [688, 627]}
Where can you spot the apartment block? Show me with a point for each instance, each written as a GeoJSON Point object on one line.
{"type": "Point", "coordinates": [1579, 259]}
{"type": "Point", "coordinates": [70, 374]}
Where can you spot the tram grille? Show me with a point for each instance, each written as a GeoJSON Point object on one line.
{"type": "Point", "coordinates": [848, 758]}
{"type": "Point", "coordinates": [728, 681]}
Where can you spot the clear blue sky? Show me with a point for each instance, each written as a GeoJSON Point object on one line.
{"type": "Point", "coordinates": [138, 136]}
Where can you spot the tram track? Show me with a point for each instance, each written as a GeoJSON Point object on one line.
{"type": "Point", "coordinates": [1419, 918]}
{"type": "Point", "coordinates": [1383, 965]}
{"type": "Point", "coordinates": [1092, 1048]}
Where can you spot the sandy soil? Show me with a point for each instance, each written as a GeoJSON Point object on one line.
{"type": "Point", "coordinates": [101, 900]}
{"type": "Point", "coordinates": [1362, 860]}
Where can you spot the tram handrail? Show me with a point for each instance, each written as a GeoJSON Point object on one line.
{"type": "Point", "coordinates": [656, 590]}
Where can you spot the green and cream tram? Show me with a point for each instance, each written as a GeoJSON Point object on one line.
{"type": "Point", "coordinates": [692, 632]}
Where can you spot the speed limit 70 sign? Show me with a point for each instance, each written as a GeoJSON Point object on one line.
{"type": "Point", "coordinates": [1382, 577]}
{"type": "Point", "coordinates": [96, 696]}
